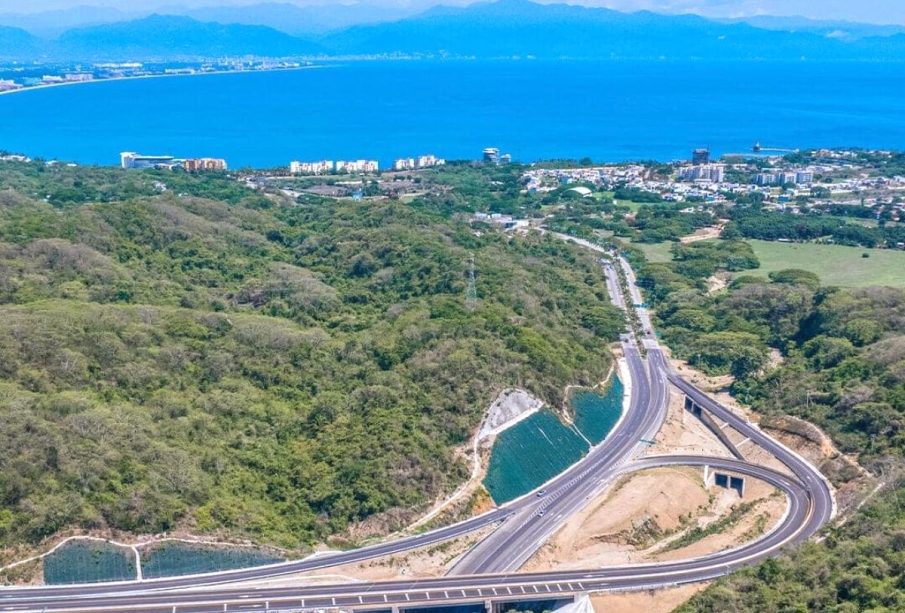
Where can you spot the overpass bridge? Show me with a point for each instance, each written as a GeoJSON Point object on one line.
{"type": "Point", "coordinates": [487, 574]}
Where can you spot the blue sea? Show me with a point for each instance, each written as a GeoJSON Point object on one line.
{"type": "Point", "coordinates": [609, 111]}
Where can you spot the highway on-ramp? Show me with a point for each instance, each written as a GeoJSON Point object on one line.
{"type": "Point", "coordinates": [799, 522]}
{"type": "Point", "coordinates": [487, 572]}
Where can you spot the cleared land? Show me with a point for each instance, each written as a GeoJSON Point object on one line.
{"type": "Point", "coordinates": [657, 515]}
{"type": "Point", "coordinates": [835, 264]}
{"type": "Point", "coordinates": [656, 253]}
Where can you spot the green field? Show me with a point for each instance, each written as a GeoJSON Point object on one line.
{"type": "Point", "coordinates": [656, 253]}
{"type": "Point", "coordinates": [835, 264]}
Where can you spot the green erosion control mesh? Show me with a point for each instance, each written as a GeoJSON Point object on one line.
{"type": "Point", "coordinates": [172, 559]}
{"type": "Point", "coordinates": [540, 447]}
{"type": "Point", "coordinates": [530, 453]}
{"type": "Point", "coordinates": [89, 562]}
{"type": "Point", "coordinates": [532, 606]}
{"type": "Point", "coordinates": [597, 414]}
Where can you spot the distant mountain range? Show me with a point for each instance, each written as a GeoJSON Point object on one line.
{"type": "Point", "coordinates": [507, 28]}
{"type": "Point", "coordinates": [302, 20]}
{"type": "Point", "coordinates": [171, 36]}
{"type": "Point", "coordinates": [845, 30]}
{"type": "Point", "coordinates": [15, 42]}
{"type": "Point", "coordinates": [289, 18]}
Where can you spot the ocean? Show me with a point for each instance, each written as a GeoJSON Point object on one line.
{"type": "Point", "coordinates": [609, 111]}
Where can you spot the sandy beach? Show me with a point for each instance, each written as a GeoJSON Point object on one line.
{"type": "Point", "coordinates": [151, 76]}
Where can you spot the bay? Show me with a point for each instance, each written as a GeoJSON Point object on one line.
{"type": "Point", "coordinates": [610, 111]}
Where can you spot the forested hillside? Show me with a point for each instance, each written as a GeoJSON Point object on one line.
{"type": "Point", "coordinates": [842, 367]}
{"type": "Point", "coordinates": [179, 352]}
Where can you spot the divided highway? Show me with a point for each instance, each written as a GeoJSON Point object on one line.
{"type": "Point", "coordinates": [510, 546]}
{"type": "Point", "coordinates": [525, 524]}
{"type": "Point", "coordinates": [798, 524]}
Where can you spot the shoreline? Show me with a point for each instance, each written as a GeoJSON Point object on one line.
{"type": "Point", "coordinates": [154, 76]}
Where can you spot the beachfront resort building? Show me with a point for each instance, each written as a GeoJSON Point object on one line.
{"type": "Point", "coordinates": [357, 166]}
{"type": "Point", "coordinates": [788, 177]}
{"type": "Point", "coordinates": [492, 156]}
{"type": "Point", "coordinates": [713, 173]}
{"type": "Point", "coordinates": [322, 167]}
{"type": "Point", "coordinates": [423, 161]}
{"type": "Point", "coordinates": [202, 164]}
{"type": "Point", "coordinates": [130, 159]}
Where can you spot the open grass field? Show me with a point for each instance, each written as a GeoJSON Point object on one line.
{"type": "Point", "coordinates": [835, 264]}
{"type": "Point", "coordinates": [656, 253]}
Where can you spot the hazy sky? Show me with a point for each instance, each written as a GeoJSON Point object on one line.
{"type": "Point", "coordinates": [875, 11]}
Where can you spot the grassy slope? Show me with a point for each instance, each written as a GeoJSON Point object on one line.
{"type": "Point", "coordinates": [656, 253]}
{"type": "Point", "coordinates": [834, 264]}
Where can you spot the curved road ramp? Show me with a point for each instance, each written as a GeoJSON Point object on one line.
{"type": "Point", "coordinates": [487, 573]}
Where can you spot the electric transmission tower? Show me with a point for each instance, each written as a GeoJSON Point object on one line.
{"type": "Point", "coordinates": [471, 292]}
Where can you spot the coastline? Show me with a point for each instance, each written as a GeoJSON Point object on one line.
{"type": "Point", "coordinates": [154, 76]}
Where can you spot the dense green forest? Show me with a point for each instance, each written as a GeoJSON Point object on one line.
{"type": "Point", "coordinates": [755, 223]}
{"type": "Point", "coordinates": [180, 351]}
{"type": "Point", "coordinates": [843, 368]}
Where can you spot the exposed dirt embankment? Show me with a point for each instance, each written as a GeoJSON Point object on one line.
{"type": "Point", "coordinates": [683, 433]}
{"type": "Point", "coordinates": [850, 481]}
{"type": "Point", "coordinates": [848, 478]}
{"type": "Point", "coordinates": [652, 601]}
{"type": "Point", "coordinates": [703, 234]}
{"type": "Point", "coordinates": [431, 561]}
{"type": "Point", "coordinates": [509, 407]}
{"type": "Point", "coordinates": [657, 515]}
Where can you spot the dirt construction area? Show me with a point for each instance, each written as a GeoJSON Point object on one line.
{"type": "Point", "coordinates": [657, 515]}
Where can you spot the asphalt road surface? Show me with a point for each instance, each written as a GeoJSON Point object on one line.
{"type": "Point", "coordinates": [800, 521]}
{"type": "Point", "coordinates": [525, 524]}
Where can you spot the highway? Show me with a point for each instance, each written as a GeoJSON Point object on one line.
{"type": "Point", "coordinates": [487, 571]}
{"type": "Point", "coordinates": [798, 524]}
{"type": "Point", "coordinates": [512, 544]}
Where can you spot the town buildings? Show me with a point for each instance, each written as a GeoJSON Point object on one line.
{"type": "Point", "coordinates": [202, 164]}
{"type": "Point", "coordinates": [130, 159]}
{"type": "Point", "coordinates": [784, 177]}
{"type": "Point", "coordinates": [324, 167]}
{"type": "Point", "coordinates": [714, 173]}
{"type": "Point", "coordinates": [700, 157]}
{"type": "Point", "coordinates": [311, 168]}
{"type": "Point", "coordinates": [7, 85]}
{"type": "Point", "coordinates": [357, 166]}
{"type": "Point", "coordinates": [491, 155]}
{"type": "Point", "coordinates": [424, 161]}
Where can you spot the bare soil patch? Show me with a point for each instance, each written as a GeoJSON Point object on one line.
{"type": "Point", "coordinates": [651, 601]}
{"type": "Point", "coordinates": [652, 516]}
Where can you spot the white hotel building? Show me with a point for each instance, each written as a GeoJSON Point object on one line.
{"type": "Point", "coordinates": [311, 168]}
